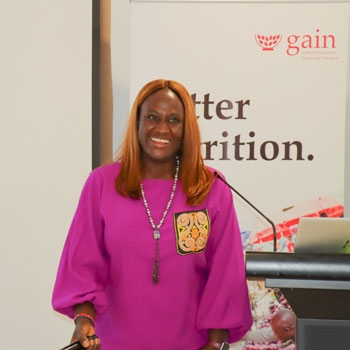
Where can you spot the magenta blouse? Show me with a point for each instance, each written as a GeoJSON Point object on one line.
{"type": "Point", "coordinates": [108, 260]}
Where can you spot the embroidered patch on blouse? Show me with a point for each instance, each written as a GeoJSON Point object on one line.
{"type": "Point", "coordinates": [192, 231]}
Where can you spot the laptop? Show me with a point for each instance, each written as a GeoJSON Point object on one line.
{"type": "Point", "coordinates": [323, 235]}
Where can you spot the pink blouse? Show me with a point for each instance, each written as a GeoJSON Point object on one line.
{"type": "Point", "coordinates": [108, 260]}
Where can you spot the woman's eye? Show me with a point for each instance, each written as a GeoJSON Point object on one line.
{"type": "Point", "coordinates": [152, 117]}
{"type": "Point", "coordinates": [174, 120]}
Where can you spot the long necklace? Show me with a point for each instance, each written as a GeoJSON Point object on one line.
{"type": "Point", "coordinates": [156, 228]}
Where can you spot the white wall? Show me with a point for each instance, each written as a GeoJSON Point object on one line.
{"type": "Point", "coordinates": [45, 154]}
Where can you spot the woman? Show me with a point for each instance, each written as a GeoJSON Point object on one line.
{"type": "Point", "coordinates": [153, 258]}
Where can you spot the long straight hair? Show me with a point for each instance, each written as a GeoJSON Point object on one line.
{"type": "Point", "coordinates": [195, 177]}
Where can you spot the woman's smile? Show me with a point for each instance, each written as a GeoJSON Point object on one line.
{"type": "Point", "coordinates": [161, 141]}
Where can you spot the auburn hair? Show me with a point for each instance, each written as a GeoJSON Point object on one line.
{"type": "Point", "coordinates": [195, 177]}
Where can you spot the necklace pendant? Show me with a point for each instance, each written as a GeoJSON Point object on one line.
{"type": "Point", "coordinates": [156, 234]}
{"type": "Point", "coordinates": [155, 276]}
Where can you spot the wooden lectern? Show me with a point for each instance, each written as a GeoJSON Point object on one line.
{"type": "Point", "coordinates": [317, 287]}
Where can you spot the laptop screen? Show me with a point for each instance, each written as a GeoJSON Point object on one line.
{"type": "Point", "coordinates": [323, 235]}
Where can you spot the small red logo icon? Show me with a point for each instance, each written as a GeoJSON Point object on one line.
{"type": "Point", "coordinates": [268, 43]}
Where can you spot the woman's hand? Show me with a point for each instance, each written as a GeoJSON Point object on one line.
{"type": "Point", "coordinates": [83, 330]}
{"type": "Point", "coordinates": [85, 326]}
{"type": "Point", "coordinates": [216, 335]}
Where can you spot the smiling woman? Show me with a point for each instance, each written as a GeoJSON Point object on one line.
{"type": "Point", "coordinates": [154, 235]}
{"type": "Point", "coordinates": [161, 128]}
{"type": "Point", "coordinates": [196, 179]}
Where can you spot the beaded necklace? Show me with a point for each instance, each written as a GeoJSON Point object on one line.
{"type": "Point", "coordinates": [156, 228]}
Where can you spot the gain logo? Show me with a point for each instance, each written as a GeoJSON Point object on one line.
{"type": "Point", "coordinates": [296, 43]}
{"type": "Point", "coordinates": [268, 43]}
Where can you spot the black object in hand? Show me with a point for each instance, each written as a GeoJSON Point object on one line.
{"type": "Point", "coordinates": [76, 345]}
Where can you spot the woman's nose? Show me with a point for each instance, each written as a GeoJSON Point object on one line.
{"type": "Point", "coordinates": [163, 125]}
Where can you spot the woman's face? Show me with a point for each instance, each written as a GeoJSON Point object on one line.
{"type": "Point", "coordinates": [161, 126]}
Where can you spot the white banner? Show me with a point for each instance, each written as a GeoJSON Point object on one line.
{"type": "Point", "coordinates": [269, 81]}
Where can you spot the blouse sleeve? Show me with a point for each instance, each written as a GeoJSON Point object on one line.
{"type": "Point", "coordinates": [83, 266]}
{"type": "Point", "coordinates": [225, 301]}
